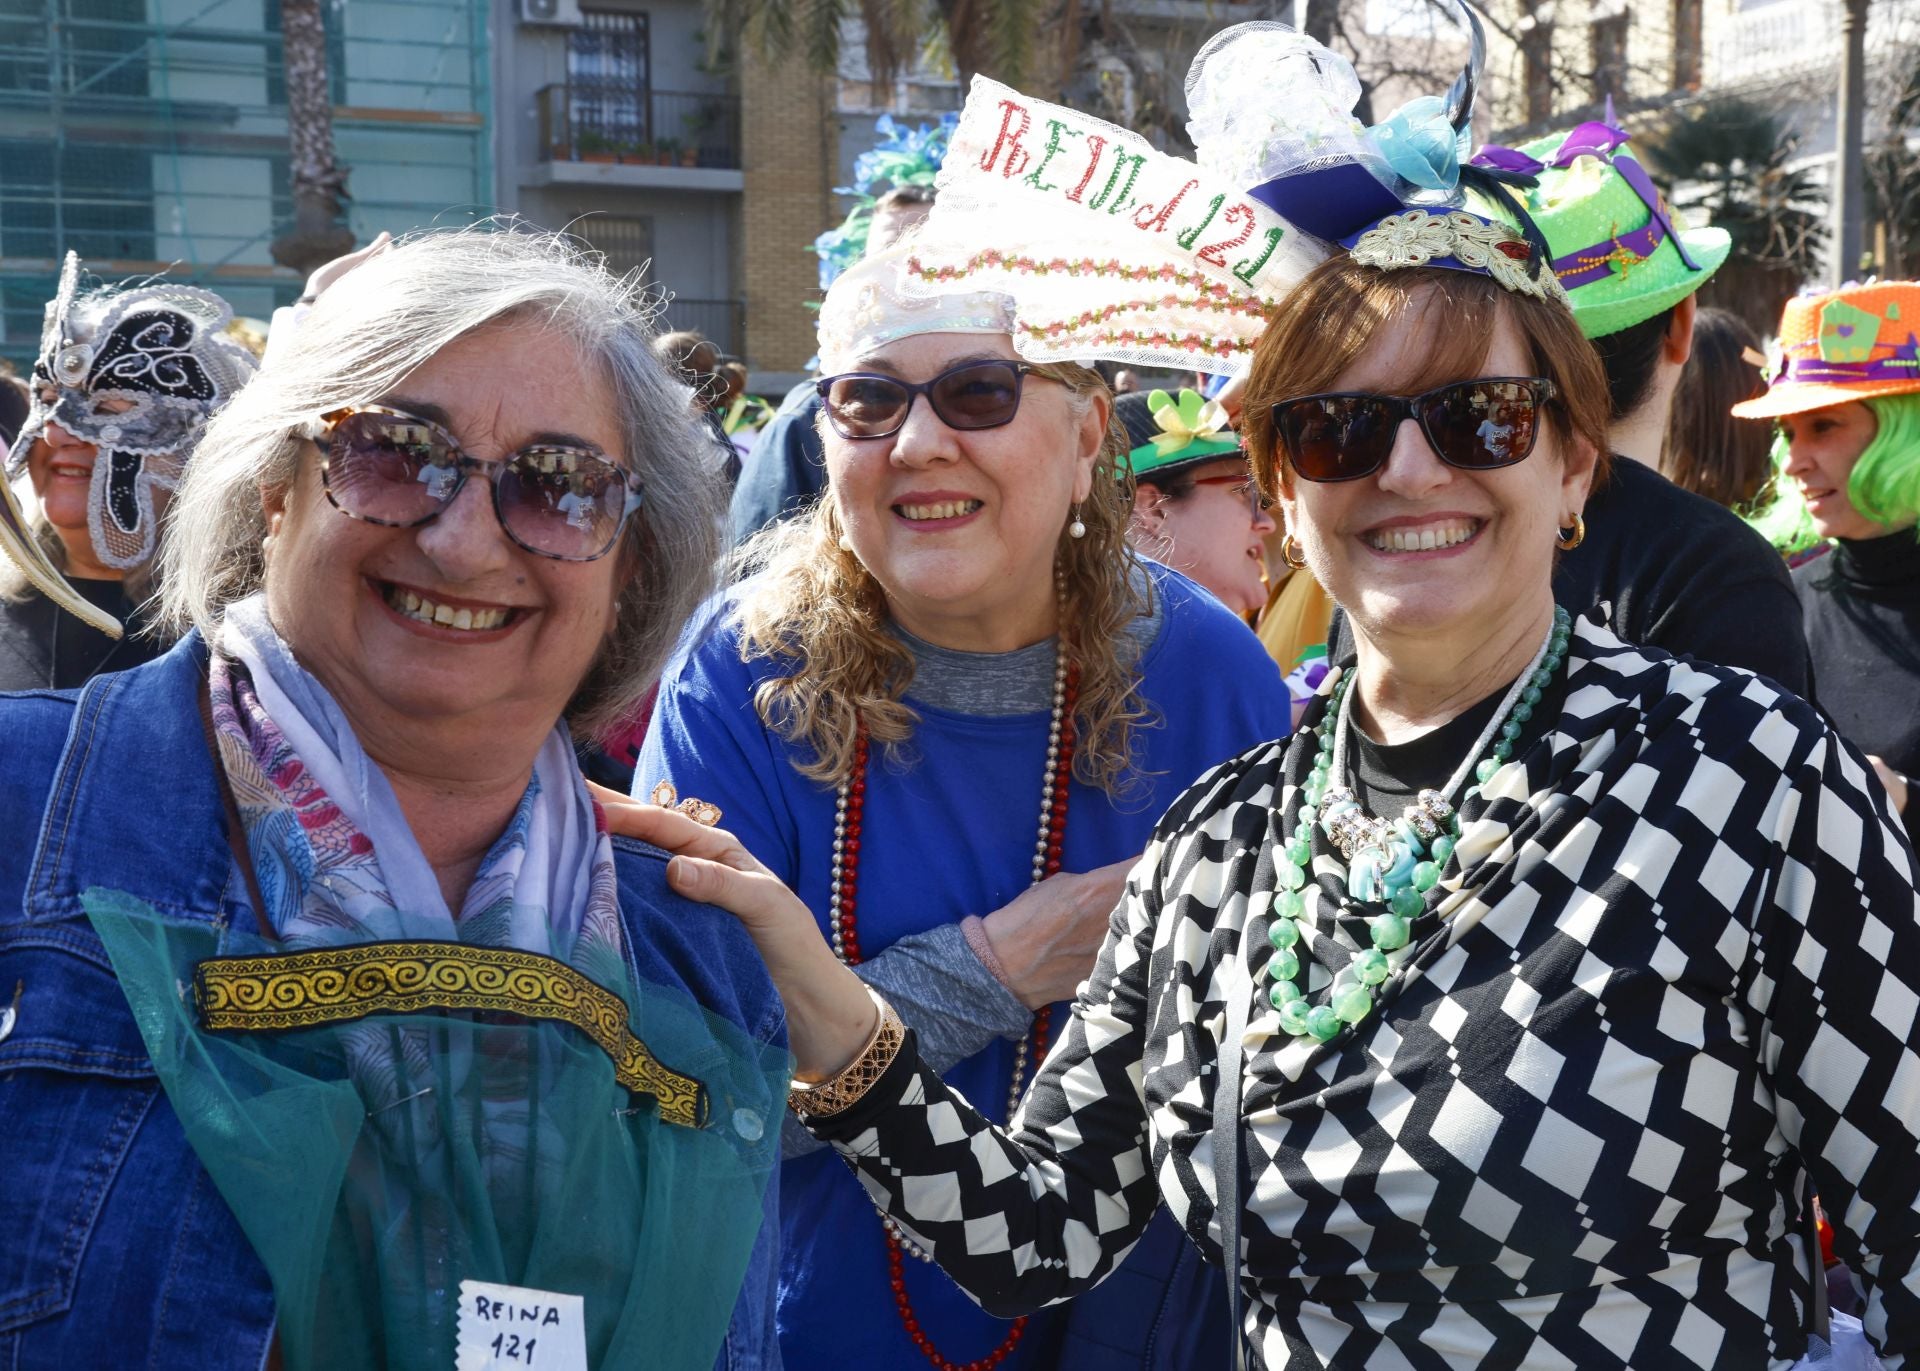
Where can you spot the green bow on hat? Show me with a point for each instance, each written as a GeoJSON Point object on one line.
{"type": "Point", "coordinates": [1191, 429]}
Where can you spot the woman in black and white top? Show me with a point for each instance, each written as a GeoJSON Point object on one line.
{"type": "Point", "coordinates": [1537, 1067]}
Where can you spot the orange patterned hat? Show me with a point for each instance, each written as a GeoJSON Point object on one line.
{"type": "Point", "coordinates": [1847, 344]}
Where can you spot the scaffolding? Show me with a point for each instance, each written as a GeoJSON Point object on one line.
{"type": "Point", "coordinates": [151, 135]}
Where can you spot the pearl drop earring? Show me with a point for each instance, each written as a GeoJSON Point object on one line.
{"type": "Point", "coordinates": [1076, 529]}
{"type": "Point", "coordinates": [846, 543]}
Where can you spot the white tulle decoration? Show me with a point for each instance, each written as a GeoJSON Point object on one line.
{"type": "Point", "coordinates": [1264, 100]}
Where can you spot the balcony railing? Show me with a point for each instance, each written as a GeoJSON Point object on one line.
{"type": "Point", "coordinates": [605, 121]}
{"type": "Point", "coordinates": [721, 322]}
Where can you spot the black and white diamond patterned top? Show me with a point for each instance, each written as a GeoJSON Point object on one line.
{"type": "Point", "coordinates": [1679, 951]}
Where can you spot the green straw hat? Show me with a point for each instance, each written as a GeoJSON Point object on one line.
{"type": "Point", "coordinates": [1616, 248]}
{"type": "Point", "coordinates": [1171, 433]}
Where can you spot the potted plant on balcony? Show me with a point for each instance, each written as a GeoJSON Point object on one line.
{"type": "Point", "coordinates": [669, 150]}
{"type": "Point", "coordinates": [634, 152]}
{"type": "Point", "coordinates": [589, 146]}
{"type": "Point", "coordinates": [704, 124]}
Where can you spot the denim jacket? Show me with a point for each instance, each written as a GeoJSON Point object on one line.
{"type": "Point", "coordinates": [115, 1247]}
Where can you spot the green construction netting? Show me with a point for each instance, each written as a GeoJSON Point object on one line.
{"type": "Point", "coordinates": [375, 1165]}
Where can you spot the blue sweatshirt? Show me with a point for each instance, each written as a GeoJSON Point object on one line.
{"type": "Point", "coordinates": [950, 834]}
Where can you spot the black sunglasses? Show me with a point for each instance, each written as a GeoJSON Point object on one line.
{"type": "Point", "coordinates": [972, 395]}
{"type": "Point", "coordinates": [1473, 425]}
{"type": "Point", "coordinates": [385, 466]}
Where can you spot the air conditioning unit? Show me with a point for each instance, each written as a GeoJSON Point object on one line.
{"type": "Point", "coordinates": [550, 13]}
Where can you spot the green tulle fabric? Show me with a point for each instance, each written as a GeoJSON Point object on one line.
{"type": "Point", "coordinates": [374, 1165]}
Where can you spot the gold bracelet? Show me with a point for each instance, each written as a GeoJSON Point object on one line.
{"type": "Point", "coordinates": [824, 1099]}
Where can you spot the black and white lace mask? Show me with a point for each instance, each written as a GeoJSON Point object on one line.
{"type": "Point", "coordinates": [137, 373]}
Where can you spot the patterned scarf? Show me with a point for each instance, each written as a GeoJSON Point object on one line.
{"type": "Point", "coordinates": [334, 857]}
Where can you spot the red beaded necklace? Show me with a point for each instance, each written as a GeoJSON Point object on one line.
{"type": "Point", "coordinates": [849, 812]}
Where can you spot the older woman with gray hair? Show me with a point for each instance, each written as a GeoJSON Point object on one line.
{"type": "Point", "coordinates": [336, 1030]}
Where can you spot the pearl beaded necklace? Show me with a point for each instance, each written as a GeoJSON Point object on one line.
{"type": "Point", "coordinates": [844, 934]}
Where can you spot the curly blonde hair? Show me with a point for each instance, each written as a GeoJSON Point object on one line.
{"type": "Point", "coordinates": [817, 607]}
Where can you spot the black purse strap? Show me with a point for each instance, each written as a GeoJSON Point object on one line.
{"type": "Point", "coordinates": [1226, 1143]}
{"type": "Point", "coordinates": [1819, 1316]}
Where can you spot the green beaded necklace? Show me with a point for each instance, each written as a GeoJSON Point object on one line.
{"type": "Point", "coordinates": [1392, 863]}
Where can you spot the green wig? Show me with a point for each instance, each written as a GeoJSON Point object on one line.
{"type": "Point", "coordinates": [1884, 486]}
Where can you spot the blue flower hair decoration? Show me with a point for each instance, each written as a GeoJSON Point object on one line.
{"type": "Point", "coordinates": [904, 156]}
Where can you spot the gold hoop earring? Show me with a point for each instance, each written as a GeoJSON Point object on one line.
{"type": "Point", "coordinates": [1568, 541]}
{"type": "Point", "coordinates": [1292, 554]}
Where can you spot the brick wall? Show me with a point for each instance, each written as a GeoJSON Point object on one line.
{"type": "Point", "coordinates": [790, 132]}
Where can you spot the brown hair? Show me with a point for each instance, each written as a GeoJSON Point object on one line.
{"type": "Point", "coordinates": [1631, 357]}
{"type": "Point", "coordinates": [693, 357]}
{"type": "Point", "coordinates": [818, 610]}
{"type": "Point", "coordinates": [16, 401]}
{"type": "Point", "coordinates": [1341, 308]}
{"type": "Point", "coordinates": [1708, 451]}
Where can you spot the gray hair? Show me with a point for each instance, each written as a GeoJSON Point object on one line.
{"type": "Point", "coordinates": [371, 330]}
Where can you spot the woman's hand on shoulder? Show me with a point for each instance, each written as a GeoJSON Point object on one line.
{"type": "Point", "coordinates": [708, 864]}
{"type": "Point", "coordinates": [1048, 938]}
{"type": "Point", "coordinates": [829, 1013]}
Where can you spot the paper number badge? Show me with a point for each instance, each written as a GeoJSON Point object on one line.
{"type": "Point", "coordinates": [511, 1328]}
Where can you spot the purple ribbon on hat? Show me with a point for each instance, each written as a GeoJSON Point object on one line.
{"type": "Point", "coordinates": [1597, 138]}
{"type": "Point", "coordinates": [1813, 369]}
{"type": "Point", "coordinates": [1592, 264]}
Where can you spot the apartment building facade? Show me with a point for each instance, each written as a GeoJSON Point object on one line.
{"type": "Point", "coordinates": [151, 136]}
{"type": "Point", "coordinates": [614, 122]}
{"type": "Point", "coordinates": [1552, 61]}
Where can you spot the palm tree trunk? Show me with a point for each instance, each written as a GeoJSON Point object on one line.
{"type": "Point", "coordinates": [1848, 171]}
{"type": "Point", "coordinates": [319, 183]}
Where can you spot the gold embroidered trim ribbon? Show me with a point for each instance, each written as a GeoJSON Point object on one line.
{"type": "Point", "coordinates": [1419, 236]}
{"type": "Point", "coordinates": [339, 984]}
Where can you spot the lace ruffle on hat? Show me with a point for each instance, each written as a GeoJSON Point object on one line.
{"type": "Point", "coordinates": [870, 306]}
{"type": "Point", "coordinates": [1103, 246]}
